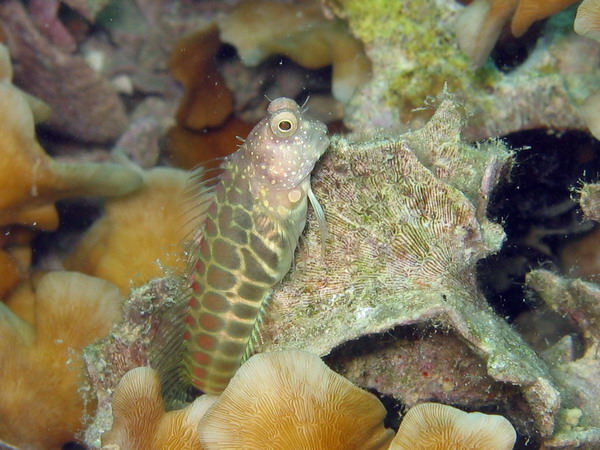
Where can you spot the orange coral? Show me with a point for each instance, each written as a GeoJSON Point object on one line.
{"type": "Point", "coordinates": [298, 403]}
{"type": "Point", "coordinates": [437, 426]}
{"type": "Point", "coordinates": [140, 421]}
{"type": "Point", "coordinates": [41, 405]}
{"type": "Point", "coordinates": [529, 11]}
{"type": "Point", "coordinates": [260, 28]}
{"type": "Point", "coordinates": [141, 234]}
{"type": "Point", "coordinates": [189, 149]}
{"type": "Point", "coordinates": [31, 181]}
{"type": "Point", "coordinates": [28, 198]}
{"type": "Point", "coordinates": [479, 25]}
{"type": "Point", "coordinates": [15, 256]}
{"type": "Point", "coordinates": [205, 128]}
{"type": "Point", "coordinates": [207, 101]}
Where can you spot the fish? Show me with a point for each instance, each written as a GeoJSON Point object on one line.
{"type": "Point", "coordinates": [246, 244]}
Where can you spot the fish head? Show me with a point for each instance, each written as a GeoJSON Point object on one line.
{"type": "Point", "coordinates": [284, 146]}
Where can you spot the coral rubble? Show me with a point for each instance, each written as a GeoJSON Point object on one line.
{"type": "Point", "coordinates": [577, 374]}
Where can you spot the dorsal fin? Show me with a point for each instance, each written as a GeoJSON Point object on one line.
{"type": "Point", "coordinates": [168, 348]}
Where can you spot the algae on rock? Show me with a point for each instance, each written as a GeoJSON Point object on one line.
{"type": "Point", "coordinates": [414, 52]}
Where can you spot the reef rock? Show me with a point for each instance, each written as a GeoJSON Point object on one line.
{"type": "Point", "coordinates": [413, 49]}
{"type": "Point", "coordinates": [407, 225]}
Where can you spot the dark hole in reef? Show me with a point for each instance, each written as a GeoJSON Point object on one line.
{"type": "Point", "coordinates": [510, 52]}
{"type": "Point", "coordinates": [539, 211]}
{"type": "Point", "coordinates": [414, 359]}
{"type": "Point", "coordinates": [76, 216]}
{"type": "Point", "coordinates": [280, 76]}
{"type": "Point", "coordinates": [74, 446]}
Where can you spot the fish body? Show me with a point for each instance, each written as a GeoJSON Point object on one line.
{"type": "Point", "coordinates": [248, 240]}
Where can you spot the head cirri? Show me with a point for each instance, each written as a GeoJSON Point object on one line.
{"type": "Point", "coordinates": [284, 146]}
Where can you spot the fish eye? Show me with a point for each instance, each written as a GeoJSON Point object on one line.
{"type": "Point", "coordinates": [284, 124]}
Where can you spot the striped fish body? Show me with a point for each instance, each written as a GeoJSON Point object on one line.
{"type": "Point", "coordinates": [247, 245]}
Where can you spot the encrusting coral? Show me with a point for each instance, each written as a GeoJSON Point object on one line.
{"type": "Point", "coordinates": [141, 236]}
{"type": "Point", "coordinates": [42, 401]}
{"type": "Point", "coordinates": [407, 222]}
{"type": "Point", "coordinates": [261, 28]}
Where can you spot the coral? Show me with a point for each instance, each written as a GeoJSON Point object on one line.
{"type": "Point", "coordinates": [189, 149]}
{"type": "Point", "coordinates": [581, 258]}
{"type": "Point", "coordinates": [575, 365]}
{"type": "Point", "coordinates": [40, 356]}
{"type": "Point", "coordinates": [529, 11]}
{"type": "Point", "coordinates": [590, 201]}
{"type": "Point", "coordinates": [140, 421]}
{"type": "Point", "coordinates": [576, 374]}
{"type": "Point", "coordinates": [414, 55]}
{"type": "Point", "coordinates": [206, 128]}
{"type": "Point", "coordinates": [128, 346]}
{"type": "Point", "coordinates": [299, 403]}
{"type": "Point", "coordinates": [590, 111]}
{"type": "Point", "coordinates": [260, 28]}
{"type": "Point", "coordinates": [207, 101]}
{"type": "Point", "coordinates": [15, 257]}
{"type": "Point", "coordinates": [86, 107]}
{"type": "Point", "coordinates": [480, 24]}
{"type": "Point", "coordinates": [28, 199]}
{"type": "Point", "coordinates": [427, 364]}
{"type": "Point", "coordinates": [450, 428]}
{"type": "Point", "coordinates": [45, 15]}
{"type": "Point", "coordinates": [87, 8]}
{"type": "Point", "coordinates": [142, 235]}
{"type": "Point", "coordinates": [587, 20]}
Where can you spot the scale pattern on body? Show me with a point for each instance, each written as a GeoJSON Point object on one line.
{"type": "Point", "coordinates": [248, 240]}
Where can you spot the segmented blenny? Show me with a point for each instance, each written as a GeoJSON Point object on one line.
{"type": "Point", "coordinates": [247, 243]}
